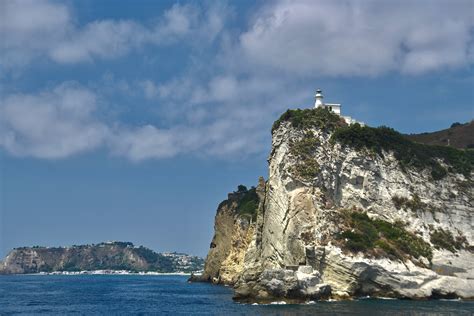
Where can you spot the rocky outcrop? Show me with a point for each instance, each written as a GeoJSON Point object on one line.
{"type": "Point", "coordinates": [103, 256]}
{"type": "Point", "coordinates": [352, 211]}
{"type": "Point", "coordinates": [234, 228]}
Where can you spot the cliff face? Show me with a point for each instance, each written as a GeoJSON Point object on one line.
{"type": "Point", "coordinates": [104, 256]}
{"type": "Point", "coordinates": [234, 228]}
{"type": "Point", "coordinates": [352, 211]}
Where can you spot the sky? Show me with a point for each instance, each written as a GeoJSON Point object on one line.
{"type": "Point", "coordinates": [132, 120]}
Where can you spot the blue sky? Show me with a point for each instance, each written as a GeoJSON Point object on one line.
{"type": "Point", "coordinates": [132, 120]}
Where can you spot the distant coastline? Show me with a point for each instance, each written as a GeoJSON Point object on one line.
{"type": "Point", "coordinates": [113, 257]}
{"type": "Point", "coordinates": [110, 272]}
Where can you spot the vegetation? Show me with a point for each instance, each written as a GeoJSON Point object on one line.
{"type": "Point", "coordinates": [241, 188]}
{"type": "Point", "coordinates": [247, 204]}
{"type": "Point", "coordinates": [376, 140]}
{"type": "Point", "coordinates": [459, 135]}
{"type": "Point", "coordinates": [412, 204]}
{"type": "Point", "coordinates": [310, 118]}
{"type": "Point", "coordinates": [441, 238]}
{"type": "Point", "coordinates": [306, 166]}
{"type": "Point", "coordinates": [380, 238]}
{"type": "Point", "coordinates": [408, 153]}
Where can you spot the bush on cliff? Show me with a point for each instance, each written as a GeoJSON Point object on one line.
{"type": "Point", "coordinates": [306, 166]}
{"type": "Point", "coordinates": [310, 118]}
{"type": "Point", "coordinates": [378, 238]}
{"type": "Point", "coordinates": [247, 205]}
{"type": "Point", "coordinates": [441, 238]}
{"type": "Point", "coordinates": [408, 153]}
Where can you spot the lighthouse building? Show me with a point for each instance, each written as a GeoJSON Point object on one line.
{"type": "Point", "coordinates": [333, 107]}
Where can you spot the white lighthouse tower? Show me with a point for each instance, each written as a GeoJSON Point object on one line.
{"type": "Point", "coordinates": [318, 103]}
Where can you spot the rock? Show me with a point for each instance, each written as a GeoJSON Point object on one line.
{"type": "Point", "coordinates": [315, 187]}
{"type": "Point", "coordinates": [232, 234]}
{"type": "Point", "coordinates": [305, 269]}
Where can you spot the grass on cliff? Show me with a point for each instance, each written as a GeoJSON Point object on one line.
{"type": "Point", "coordinates": [310, 118]}
{"type": "Point", "coordinates": [380, 238]}
{"type": "Point", "coordinates": [247, 204]}
{"type": "Point", "coordinates": [441, 238]}
{"type": "Point", "coordinates": [408, 153]}
{"type": "Point", "coordinates": [306, 166]}
{"type": "Point", "coordinates": [414, 204]}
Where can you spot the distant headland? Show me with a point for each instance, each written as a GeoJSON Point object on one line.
{"type": "Point", "coordinates": [107, 257]}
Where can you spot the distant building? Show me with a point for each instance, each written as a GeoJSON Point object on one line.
{"type": "Point", "coordinates": [334, 107]}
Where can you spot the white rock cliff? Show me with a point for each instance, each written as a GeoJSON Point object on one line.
{"type": "Point", "coordinates": [342, 221]}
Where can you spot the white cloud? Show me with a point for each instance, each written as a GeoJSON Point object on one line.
{"type": "Point", "coordinates": [333, 38]}
{"type": "Point", "coordinates": [144, 143]}
{"type": "Point", "coordinates": [103, 39]}
{"type": "Point", "coordinates": [149, 88]}
{"type": "Point", "coordinates": [64, 121]}
{"type": "Point", "coordinates": [51, 124]}
{"type": "Point", "coordinates": [219, 106]}
{"type": "Point", "coordinates": [31, 29]}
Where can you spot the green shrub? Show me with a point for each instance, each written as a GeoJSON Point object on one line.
{"type": "Point", "coordinates": [247, 204]}
{"type": "Point", "coordinates": [367, 235]}
{"type": "Point", "coordinates": [241, 188]}
{"type": "Point", "coordinates": [303, 150]}
{"type": "Point", "coordinates": [408, 153]}
{"type": "Point", "coordinates": [414, 204]}
{"type": "Point", "coordinates": [310, 118]}
{"type": "Point", "coordinates": [444, 239]}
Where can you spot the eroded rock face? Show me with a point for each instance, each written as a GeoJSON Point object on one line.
{"type": "Point", "coordinates": [301, 224]}
{"type": "Point", "coordinates": [298, 225]}
{"type": "Point", "coordinates": [233, 231]}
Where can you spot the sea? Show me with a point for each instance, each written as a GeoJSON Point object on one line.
{"type": "Point", "coordinates": [173, 295]}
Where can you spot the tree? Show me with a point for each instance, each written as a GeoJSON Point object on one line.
{"type": "Point", "coordinates": [241, 188]}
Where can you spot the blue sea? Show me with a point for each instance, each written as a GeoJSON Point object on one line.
{"type": "Point", "coordinates": [173, 295]}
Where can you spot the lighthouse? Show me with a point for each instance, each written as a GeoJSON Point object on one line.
{"type": "Point", "coordinates": [333, 107]}
{"type": "Point", "coordinates": [318, 103]}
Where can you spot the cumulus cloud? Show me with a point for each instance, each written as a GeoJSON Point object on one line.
{"type": "Point", "coordinates": [336, 38]}
{"type": "Point", "coordinates": [225, 105]}
{"type": "Point", "coordinates": [42, 28]}
{"type": "Point", "coordinates": [102, 39]}
{"type": "Point", "coordinates": [51, 124]}
{"type": "Point", "coordinates": [29, 27]}
{"type": "Point", "coordinates": [64, 121]}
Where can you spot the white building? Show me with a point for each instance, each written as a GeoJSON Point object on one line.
{"type": "Point", "coordinates": [334, 107]}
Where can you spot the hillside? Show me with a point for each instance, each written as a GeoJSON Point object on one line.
{"type": "Point", "coordinates": [103, 256]}
{"type": "Point", "coordinates": [350, 211]}
{"type": "Point", "coordinates": [457, 136]}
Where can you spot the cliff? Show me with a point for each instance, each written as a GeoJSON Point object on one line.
{"type": "Point", "coordinates": [352, 211]}
{"type": "Point", "coordinates": [103, 256]}
{"type": "Point", "coordinates": [234, 228]}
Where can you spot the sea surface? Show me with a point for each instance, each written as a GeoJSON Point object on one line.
{"type": "Point", "coordinates": [173, 295]}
